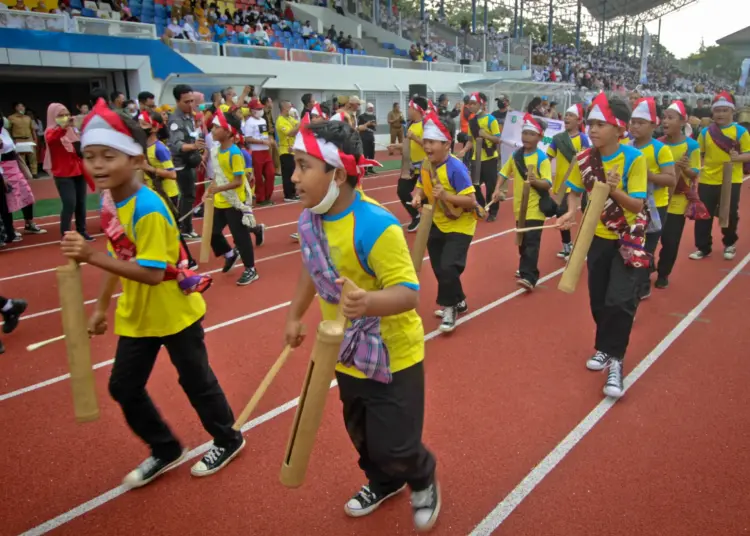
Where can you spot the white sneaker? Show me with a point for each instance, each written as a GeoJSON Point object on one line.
{"type": "Point", "coordinates": [614, 387]}
{"type": "Point", "coordinates": [698, 255]}
{"type": "Point", "coordinates": [425, 506]}
{"type": "Point", "coordinates": [730, 252]}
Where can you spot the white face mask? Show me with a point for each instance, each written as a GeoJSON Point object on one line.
{"type": "Point", "coordinates": [235, 99]}
{"type": "Point", "coordinates": [329, 199]}
{"type": "Point", "coordinates": [257, 114]}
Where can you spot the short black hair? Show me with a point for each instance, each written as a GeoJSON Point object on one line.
{"type": "Point", "coordinates": [421, 102]}
{"type": "Point", "coordinates": [234, 122]}
{"type": "Point", "coordinates": [306, 98]}
{"type": "Point", "coordinates": [264, 99]}
{"type": "Point", "coordinates": [344, 137]}
{"type": "Point", "coordinates": [620, 109]}
{"type": "Point", "coordinates": [179, 90]}
{"type": "Point", "coordinates": [99, 93]}
{"type": "Point", "coordinates": [113, 96]}
{"type": "Point", "coordinates": [143, 96]}
{"type": "Point", "coordinates": [135, 130]}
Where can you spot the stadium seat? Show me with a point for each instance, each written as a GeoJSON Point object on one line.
{"type": "Point", "coordinates": [86, 12]}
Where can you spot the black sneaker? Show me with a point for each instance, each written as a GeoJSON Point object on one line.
{"type": "Point", "coordinates": [247, 277]}
{"type": "Point", "coordinates": [661, 283]}
{"type": "Point", "coordinates": [149, 469]}
{"type": "Point", "coordinates": [614, 386]}
{"type": "Point", "coordinates": [260, 234]}
{"type": "Point", "coordinates": [461, 308]}
{"type": "Point", "coordinates": [365, 501]}
{"type": "Point", "coordinates": [193, 265]}
{"type": "Point", "coordinates": [33, 228]}
{"type": "Point", "coordinates": [646, 293]}
{"type": "Point", "coordinates": [414, 225]}
{"type": "Point", "coordinates": [191, 235]}
{"type": "Point", "coordinates": [525, 283]}
{"type": "Point", "coordinates": [449, 320]}
{"type": "Point", "coordinates": [598, 361]}
{"type": "Point", "coordinates": [12, 316]}
{"type": "Point", "coordinates": [491, 218]}
{"type": "Point", "coordinates": [216, 459]}
{"type": "Point", "coordinates": [266, 203]}
{"type": "Point", "coordinates": [229, 262]}
{"type": "Point", "coordinates": [425, 507]}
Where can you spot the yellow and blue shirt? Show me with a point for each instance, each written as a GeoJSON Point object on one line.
{"type": "Point", "coordinates": [368, 246]}
{"type": "Point", "coordinates": [678, 203]}
{"type": "Point", "coordinates": [580, 142]}
{"type": "Point", "coordinates": [153, 310]}
{"type": "Point", "coordinates": [159, 157]}
{"type": "Point", "coordinates": [658, 156]}
{"type": "Point", "coordinates": [416, 152]}
{"type": "Point", "coordinates": [538, 161]}
{"type": "Point", "coordinates": [714, 158]}
{"type": "Point", "coordinates": [630, 163]}
{"type": "Point", "coordinates": [232, 163]}
{"type": "Point", "coordinates": [454, 178]}
{"type": "Point", "coordinates": [492, 125]}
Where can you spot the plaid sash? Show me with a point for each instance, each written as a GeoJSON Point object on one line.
{"type": "Point", "coordinates": [631, 237]}
{"type": "Point", "coordinates": [727, 144]}
{"type": "Point", "coordinates": [363, 346]}
{"type": "Point", "coordinates": [125, 250]}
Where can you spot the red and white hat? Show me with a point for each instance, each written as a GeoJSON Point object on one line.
{"type": "Point", "coordinates": [145, 119]}
{"type": "Point", "coordinates": [220, 120]}
{"type": "Point", "coordinates": [476, 97]}
{"type": "Point", "coordinates": [723, 99]}
{"type": "Point", "coordinates": [315, 110]}
{"type": "Point", "coordinates": [104, 126]}
{"type": "Point", "coordinates": [532, 125]}
{"type": "Point", "coordinates": [600, 111]}
{"type": "Point", "coordinates": [417, 107]}
{"type": "Point", "coordinates": [679, 107]}
{"type": "Point", "coordinates": [326, 151]}
{"type": "Point", "coordinates": [645, 108]}
{"type": "Point", "coordinates": [434, 129]}
{"type": "Point", "coordinates": [576, 110]}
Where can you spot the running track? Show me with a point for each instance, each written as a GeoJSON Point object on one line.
{"type": "Point", "coordinates": [524, 440]}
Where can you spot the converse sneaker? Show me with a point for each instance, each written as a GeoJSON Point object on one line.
{"type": "Point", "coordinates": [698, 255]}
{"type": "Point", "coordinates": [461, 308]}
{"type": "Point", "coordinates": [149, 469]}
{"type": "Point", "coordinates": [598, 361]}
{"type": "Point", "coordinates": [661, 282]}
{"type": "Point", "coordinates": [247, 277]}
{"type": "Point", "coordinates": [294, 236]}
{"type": "Point", "coordinates": [730, 252]}
{"type": "Point", "coordinates": [365, 501]}
{"type": "Point", "coordinates": [216, 459]}
{"type": "Point", "coordinates": [449, 320]}
{"type": "Point", "coordinates": [525, 283]}
{"type": "Point", "coordinates": [414, 225]}
{"type": "Point", "coordinates": [425, 507]}
{"type": "Point", "coordinates": [229, 262]}
{"type": "Point", "coordinates": [291, 199]}
{"type": "Point", "coordinates": [260, 234]}
{"type": "Point", "coordinates": [564, 253]}
{"type": "Point", "coordinates": [190, 235]}
{"type": "Point", "coordinates": [13, 314]}
{"type": "Point", "coordinates": [614, 387]}
{"type": "Point", "coordinates": [33, 228]}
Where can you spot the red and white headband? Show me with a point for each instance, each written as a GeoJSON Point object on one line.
{"type": "Point", "coordinates": [531, 125]}
{"type": "Point", "coordinates": [723, 99]}
{"type": "Point", "coordinates": [576, 110]}
{"type": "Point", "coordinates": [434, 129]}
{"type": "Point", "coordinates": [476, 97]}
{"type": "Point", "coordinates": [679, 107]}
{"type": "Point", "coordinates": [645, 108]}
{"type": "Point", "coordinates": [145, 117]}
{"type": "Point", "coordinates": [326, 151]}
{"type": "Point", "coordinates": [220, 120]}
{"type": "Point", "coordinates": [600, 111]}
{"type": "Point", "coordinates": [104, 126]}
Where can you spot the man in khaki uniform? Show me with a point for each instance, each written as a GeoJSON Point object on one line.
{"type": "Point", "coordinates": [22, 131]}
{"type": "Point", "coordinates": [396, 124]}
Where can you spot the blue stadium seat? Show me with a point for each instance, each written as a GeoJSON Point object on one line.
{"type": "Point", "coordinates": [86, 12]}
{"type": "Point", "coordinates": [148, 19]}
{"type": "Point", "coordinates": [347, 51]}
{"type": "Point", "coordinates": [389, 46]}
{"type": "Point", "coordinates": [76, 4]}
{"type": "Point", "coordinates": [340, 50]}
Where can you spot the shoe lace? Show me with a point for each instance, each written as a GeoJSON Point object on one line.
{"type": "Point", "coordinates": [213, 455]}
{"type": "Point", "coordinates": [449, 315]}
{"type": "Point", "coordinates": [422, 499]}
{"type": "Point", "coordinates": [365, 496]}
{"type": "Point", "coordinates": [614, 377]}
{"type": "Point", "coordinates": [600, 357]}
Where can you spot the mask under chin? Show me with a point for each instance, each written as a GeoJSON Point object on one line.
{"type": "Point", "coordinates": [329, 199]}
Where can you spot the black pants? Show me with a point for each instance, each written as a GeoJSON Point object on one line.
{"type": "Point", "coordinates": [613, 296]}
{"type": "Point", "coordinates": [710, 196]}
{"type": "Point", "coordinates": [529, 252]}
{"type": "Point", "coordinates": [134, 361]}
{"type": "Point", "coordinates": [652, 240]}
{"type": "Point", "coordinates": [174, 204]}
{"type": "Point", "coordinates": [368, 146]}
{"type": "Point", "coordinates": [384, 422]}
{"type": "Point", "coordinates": [671, 235]}
{"type": "Point", "coordinates": [287, 170]}
{"type": "Point", "coordinates": [186, 184]}
{"type": "Point", "coordinates": [233, 218]}
{"type": "Point", "coordinates": [488, 177]}
{"type": "Point", "coordinates": [7, 217]}
{"type": "Point", "coordinates": [448, 252]}
{"type": "Point", "coordinates": [72, 192]}
{"type": "Point", "coordinates": [404, 189]}
{"type": "Point", "coordinates": [562, 208]}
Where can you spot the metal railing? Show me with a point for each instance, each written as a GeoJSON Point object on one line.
{"type": "Point", "coordinates": [313, 56]}
{"type": "Point", "coordinates": [114, 28]}
{"type": "Point", "coordinates": [203, 48]}
{"type": "Point", "coordinates": [28, 20]}
{"type": "Point", "coordinates": [398, 63]}
{"type": "Point", "coordinates": [255, 52]}
{"type": "Point", "coordinates": [367, 61]}
{"type": "Point", "coordinates": [444, 67]}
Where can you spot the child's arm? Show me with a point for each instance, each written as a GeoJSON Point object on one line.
{"type": "Point", "coordinates": [387, 302]}
{"type": "Point", "coordinates": [303, 297]}
{"type": "Point", "coordinates": [235, 183]}
{"type": "Point", "coordinates": [98, 320]}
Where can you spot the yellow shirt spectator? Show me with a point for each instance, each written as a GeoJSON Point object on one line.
{"type": "Point", "coordinates": [285, 125]}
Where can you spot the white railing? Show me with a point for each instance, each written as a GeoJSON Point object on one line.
{"type": "Point", "coordinates": [113, 28]}
{"type": "Point", "coordinates": [313, 56]}
{"type": "Point", "coordinates": [367, 61]}
{"type": "Point", "coordinates": [255, 52]}
{"type": "Point", "coordinates": [444, 67]}
{"type": "Point", "coordinates": [397, 63]}
{"type": "Point", "coordinates": [473, 68]}
{"type": "Point", "coordinates": [203, 48]}
{"type": "Point", "coordinates": [28, 20]}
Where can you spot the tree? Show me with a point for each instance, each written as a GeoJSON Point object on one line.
{"type": "Point", "coordinates": [718, 60]}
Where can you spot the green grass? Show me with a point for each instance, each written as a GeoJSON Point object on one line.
{"type": "Point", "coordinates": [53, 206]}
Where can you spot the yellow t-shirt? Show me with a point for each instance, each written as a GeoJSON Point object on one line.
{"type": "Point", "coordinates": [232, 163]}
{"type": "Point", "coordinates": [678, 203]}
{"type": "Point", "coordinates": [714, 158]}
{"type": "Point", "coordinates": [538, 161]}
{"type": "Point", "coordinates": [415, 150]}
{"type": "Point", "coordinates": [159, 157]}
{"type": "Point", "coordinates": [580, 142]}
{"type": "Point", "coordinates": [368, 246]}
{"type": "Point", "coordinates": [284, 125]}
{"type": "Point", "coordinates": [158, 310]}
{"type": "Point", "coordinates": [658, 157]}
{"type": "Point", "coordinates": [492, 125]}
{"type": "Point", "coordinates": [631, 164]}
{"type": "Point", "coordinates": [455, 180]}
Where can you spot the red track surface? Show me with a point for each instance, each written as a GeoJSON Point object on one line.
{"type": "Point", "coordinates": [503, 391]}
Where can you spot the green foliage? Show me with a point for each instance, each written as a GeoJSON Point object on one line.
{"type": "Point", "coordinates": [718, 59]}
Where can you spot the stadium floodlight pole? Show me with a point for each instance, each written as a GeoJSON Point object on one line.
{"type": "Point", "coordinates": [549, 25]}
{"type": "Point", "coordinates": [515, 20]}
{"type": "Point", "coordinates": [473, 15]}
{"type": "Point", "coordinates": [578, 27]}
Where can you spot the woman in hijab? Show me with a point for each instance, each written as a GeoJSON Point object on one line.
{"type": "Point", "coordinates": [63, 162]}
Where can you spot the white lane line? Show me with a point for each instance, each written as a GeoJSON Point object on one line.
{"type": "Point", "coordinates": [501, 512]}
{"type": "Point", "coordinates": [230, 322]}
{"type": "Point", "coordinates": [199, 451]}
